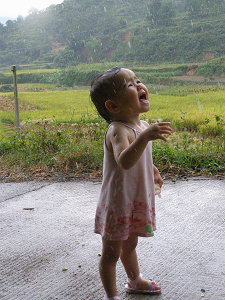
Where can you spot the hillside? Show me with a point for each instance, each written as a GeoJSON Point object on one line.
{"type": "Point", "coordinates": [116, 30]}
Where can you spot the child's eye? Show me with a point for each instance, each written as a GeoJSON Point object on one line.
{"type": "Point", "coordinates": [130, 84]}
{"type": "Point", "coordinates": [138, 81]}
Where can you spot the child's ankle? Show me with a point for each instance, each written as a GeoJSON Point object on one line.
{"type": "Point", "coordinates": [133, 283]}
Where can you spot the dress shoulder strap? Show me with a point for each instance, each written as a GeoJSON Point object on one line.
{"type": "Point", "coordinates": [135, 130]}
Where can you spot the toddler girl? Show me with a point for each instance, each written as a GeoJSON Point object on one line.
{"type": "Point", "coordinates": [126, 208]}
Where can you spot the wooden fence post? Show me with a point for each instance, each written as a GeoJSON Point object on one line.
{"type": "Point", "coordinates": [17, 113]}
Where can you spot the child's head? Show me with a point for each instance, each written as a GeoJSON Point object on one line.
{"type": "Point", "coordinates": [102, 90]}
{"type": "Point", "coordinates": [118, 95]}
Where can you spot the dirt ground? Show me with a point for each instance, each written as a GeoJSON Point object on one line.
{"type": "Point", "coordinates": [195, 78]}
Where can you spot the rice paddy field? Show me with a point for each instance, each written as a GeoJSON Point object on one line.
{"type": "Point", "coordinates": [191, 110]}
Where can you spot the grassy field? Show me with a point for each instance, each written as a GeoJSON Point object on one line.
{"type": "Point", "coordinates": [62, 133]}
{"type": "Point", "coordinates": [61, 105]}
{"type": "Point", "coordinates": [190, 110]}
{"type": "Point", "coordinates": [35, 71]}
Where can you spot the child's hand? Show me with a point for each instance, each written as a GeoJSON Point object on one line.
{"type": "Point", "coordinates": [157, 177]}
{"type": "Point", "coordinates": [157, 190]}
{"type": "Point", "coordinates": [155, 131]}
{"type": "Point", "coordinates": [158, 181]}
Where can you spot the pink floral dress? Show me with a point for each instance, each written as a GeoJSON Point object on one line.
{"type": "Point", "coordinates": [126, 206]}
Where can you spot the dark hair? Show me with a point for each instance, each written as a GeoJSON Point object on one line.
{"type": "Point", "coordinates": [101, 91]}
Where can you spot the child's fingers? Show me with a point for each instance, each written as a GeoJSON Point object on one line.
{"type": "Point", "coordinates": [166, 131]}
{"type": "Point", "coordinates": [163, 123]}
{"type": "Point", "coordinates": [162, 138]}
{"type": "Point", "coordinates": [166, 127]}
{"type": "Point", "coordinates": [157, 130]}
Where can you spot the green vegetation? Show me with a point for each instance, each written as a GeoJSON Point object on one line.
{"type": "Point", "coordinates": [77, 150]}
{"type": "Point", "coordinates": [60, 50]}
{"type": "Point", "coordinates": [83, 74]}
{"type": "Point", "coordinates": [6, 88]}
{"type": "Point", "coordinates": [63, 106]}
{"type": "Point", "coordinates": [62, 134]}
{"type": "Point", "coordinates": [189, 111]}
{"type": "Point", "coordinates": [213, 67]}
{"type": "Point", "coordinates": [94, 31]}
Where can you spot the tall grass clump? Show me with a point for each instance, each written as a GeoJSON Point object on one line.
{"type": "Point", "coordinates": [77, 149]}
{"type": "Point", "coordinates": [193, 152]}
{"type": "Point", "coordinates": [56, 147]}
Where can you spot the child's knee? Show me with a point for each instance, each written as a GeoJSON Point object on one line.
{"type": "Point", "coordinates": [111, 251]}
{"type": "Point", "coordinates": [130, 244]}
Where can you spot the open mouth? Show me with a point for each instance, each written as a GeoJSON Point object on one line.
{"type": "Point", "coordinates": [143, 99]}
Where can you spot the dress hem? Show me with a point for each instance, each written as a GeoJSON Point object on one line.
{"type": "Point", "coordinates": [123, 238]}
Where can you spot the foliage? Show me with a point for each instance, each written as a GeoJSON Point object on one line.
{"type": "Point", "coordinates": [78, 149]}
{"type": "Point", "coordinates": [83, 74]}
{"type": "Point", "coordinates": [67, 135]}
{"type": "Point", "coordinates": [160, 13]}
{"type": "Point", "coordinates": [59, 147]}
{"type": "Point", "coordinates": [29, 77]}
{"type": "Point", "coordinates": [92, 31]}
{"type": "Point", "coordinates": [211, 68]}
{"type": "Point", "coordinates": [72, 76]}
{"type": "Point", "coordinates": [186, 108]}
{"type": "Point", "coordinates": [6, 88]}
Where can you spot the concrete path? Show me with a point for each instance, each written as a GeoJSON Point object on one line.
{"type": "Point", "coordinates": [48, 249]}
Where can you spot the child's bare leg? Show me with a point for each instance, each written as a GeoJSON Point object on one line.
{"type": "Point", "coordinates": [107, 266]}
{"type": "Point", "coordinates": [129, 259]}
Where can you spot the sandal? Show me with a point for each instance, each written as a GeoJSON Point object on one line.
{"type": "Point", "coordinates": [131, 287]}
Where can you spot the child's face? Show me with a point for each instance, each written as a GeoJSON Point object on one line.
{"type": "Point", "coordinates": [130, 95]}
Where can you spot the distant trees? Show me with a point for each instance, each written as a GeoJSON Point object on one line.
{"type": "Point", "coordinates": [93, 31]}
{"type": "Point", "coordinates": [197, 8]}
{"type": "Point", "coordinates": [161, 13]}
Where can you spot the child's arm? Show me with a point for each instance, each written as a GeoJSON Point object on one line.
{"type": "Point", "coordinates": [128, 153]}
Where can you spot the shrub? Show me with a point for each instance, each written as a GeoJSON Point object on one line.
{"type": "Point", "coordinates": [6, 88]}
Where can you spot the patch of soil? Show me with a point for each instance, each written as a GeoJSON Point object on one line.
{"type": "Point", "coordinates": [6, 104]}
{"type": "Point", "coordinates": [194, 78]}
{"type": "Point", "coordinates": [208, 56]}
{"type": "Point", "coordinates": [40, 173]}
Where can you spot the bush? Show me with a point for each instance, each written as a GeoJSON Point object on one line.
{"type": "Point", "coordinates": [6, 79]}
{"type": "Point", "coordinates": [6, 88]}
{"type": "Point", "coordinates": [213, 67]}
{"type": "Point", "coordinates": [72, 76]}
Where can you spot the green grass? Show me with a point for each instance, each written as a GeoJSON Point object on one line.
{"type": "Point", "coordinates": [36, 86]}
{"type": "Point", "coordinates": [71, 140]}
{"type": "Point", "coordinates": [190, 108]}
{"type": "Point", "coordinates": [35, 71]}
{"type": "Point", "coordinates": [72, 104]}
{"type": "Point", "coordinates": [76, 150]}
{"type": "Point", "coordinates": [63, 106]}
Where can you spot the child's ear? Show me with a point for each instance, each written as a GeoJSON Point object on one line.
{"type": "Point", "coordinates": [111, 106]}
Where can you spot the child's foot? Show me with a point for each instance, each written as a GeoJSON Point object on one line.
{"type": "Point", "coordinates": [141, 286]}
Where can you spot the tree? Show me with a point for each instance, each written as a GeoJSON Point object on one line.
{"type": "Point", "coordinates": [64, 58]}
{"type": "Point", "coordinates": [154, 11]}
{"type": "Point", "coordinates": [161, 14]}
{"type": "Point", "coordinates": [95, 49]}
{"type": "Point", "coordinates": [166, 14]}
